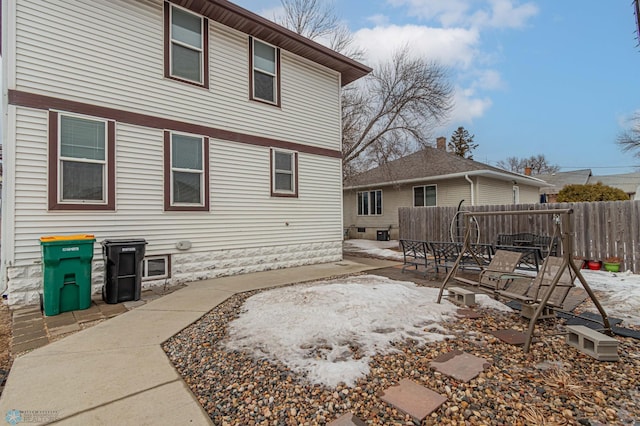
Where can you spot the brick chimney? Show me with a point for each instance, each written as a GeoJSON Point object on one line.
{"type": "Point", "coordinates": [441, 143]}
{"type": "Point", "coordinates": [527, 171]}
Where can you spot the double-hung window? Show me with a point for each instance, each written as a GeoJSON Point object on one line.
{"type": "Point", "coordinates": [284, 173]}
{"type": "Point", "coordinates": [186, 172]}
{"type": "Point", "coordinates": [186, 46]}
{"type": "Point", "coordinates": [81, 162]}
{"type": "Point", "coordinates": [425, 195]}
{"type": "Point", "coordinates": [370, 203]}
{"type": "Point", "coordinates": [265, 72]}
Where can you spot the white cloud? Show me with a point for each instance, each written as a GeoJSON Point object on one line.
{"type": "Point", "coordinates": [453, 47]}
{"type": "Point", "coordinates": [488, 80]}
{"type": "Point", "coordinates": [468, 105]}
{"type": "Point", "coordinates": [475, 13]}
{"type": "Point", "coordinates": [378, 19]}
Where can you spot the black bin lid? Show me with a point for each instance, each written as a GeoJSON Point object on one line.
{"type": "Point", "coordinates": [124, 241]}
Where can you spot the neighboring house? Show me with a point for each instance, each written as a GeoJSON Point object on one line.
{"type": "Point", "coordinates": [199, 126]}
{"type": "Point", "coordinates": [628, 182]}
{"type": "Point", "coordinates": [431, 177]}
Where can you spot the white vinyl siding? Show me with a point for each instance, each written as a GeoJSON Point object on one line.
{"type": "Point", "coordinates": [243, 214]}
{"type": "Point", "coordinates": [113, 51]}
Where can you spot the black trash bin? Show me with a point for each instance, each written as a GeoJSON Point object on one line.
{"type": "Point", "coordinates": [123, 269]}
{"type": "Point", "coordinates": [382, 235]}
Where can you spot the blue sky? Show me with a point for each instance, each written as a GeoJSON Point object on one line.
{"type": "Point", "coordinates": [553, 77]}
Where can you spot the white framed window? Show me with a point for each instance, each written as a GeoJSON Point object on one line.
{"type": "Point", "coordinates": [186, 172]}
{"type": "Point", "coordinates": [425, 196]}
{"type": "Point", "coordinates": [186, 46]}
{"type": "Point", "coordinates": [155, 267]}
{"type": "Point", "coordinates": [284, 173]}
{"type": "Point", "coordinates": [82, 156]}
{"type": "Point", "coordinates": [265, 68]}
{"type": "Point", "coordinates": [370, 203]}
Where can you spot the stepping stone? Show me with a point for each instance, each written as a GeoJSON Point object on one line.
{"type": "Point", "coordinates": [468, 313]}
{"type": "Point", "coordinates": [112, 310]}
{"type": "Point", "coordinates": [460, 365]}
{"type": "Point", "coordinates": [133, 304]}
{"type": "Point", "coordinates": [513, 337]}
{"type": "Point", "coordinates": [64, 329]}
{"type": "Point", "coordinates": [65, 318]}
{"type": "Point", "coordinates": [86, 315]}
{"type": "Point", "coordinates": [27, 346]}
{"type": "Point", "coordinates": [413, 399]}
{"type": "Point", "coordinates": [348, 419]}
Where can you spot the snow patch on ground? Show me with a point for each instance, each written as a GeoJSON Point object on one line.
{"type": "Point", "coordinates": [379, 249]}
{"type": "Point", "coordinates": [314, 328]}
{"type": "Point", "coordinates": [618, 293]}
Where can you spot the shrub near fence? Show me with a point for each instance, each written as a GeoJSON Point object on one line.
{"type": "Point", "coordinates": [601, 229]}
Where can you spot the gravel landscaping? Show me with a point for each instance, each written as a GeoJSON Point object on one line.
{"type": "Point", "coordinates": [554, 384]}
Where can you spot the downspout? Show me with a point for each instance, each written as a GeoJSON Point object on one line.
{"type": "Point", "coordinates": [473, 198]}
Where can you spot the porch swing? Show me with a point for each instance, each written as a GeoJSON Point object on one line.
{"type": "Point", "coordinates": [551, 279]}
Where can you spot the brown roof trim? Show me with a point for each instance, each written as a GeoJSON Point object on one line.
{"type": "Point", "coordinates": [32, 100]}
{"type": "Point", "coordinates": [240, 19]}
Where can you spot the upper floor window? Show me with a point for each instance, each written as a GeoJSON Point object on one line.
{"type": "Point", "coordinates": [186, 172]}
{"type": "Point", "coordinates": [186, 46]}
{"type": "Point", "coordinates": [370, 203]}
{"type": "Point", "coordinates": [81, 162]}
{"type": "Point", "coordinates": [265, 72]}
{"type": "Point", "coordinates": [425, 195]}
{"type": "Point", "coordinates": [284, 173]}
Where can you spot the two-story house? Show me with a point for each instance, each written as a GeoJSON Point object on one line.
{"type": "Point", "coordinates": [207, 130]}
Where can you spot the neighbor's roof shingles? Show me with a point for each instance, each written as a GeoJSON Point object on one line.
{"type": "Point", "coordinates": [429, 162]}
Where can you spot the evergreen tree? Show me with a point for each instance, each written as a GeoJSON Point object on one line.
{"type": "Point", "coordinates": [461, 143]}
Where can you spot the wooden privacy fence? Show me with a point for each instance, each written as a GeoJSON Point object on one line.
{"type": "Point", "coordinates": [601, 229]}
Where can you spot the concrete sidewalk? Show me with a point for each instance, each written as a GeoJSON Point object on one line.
{"type": "Point", "coordinates": [117, 373]}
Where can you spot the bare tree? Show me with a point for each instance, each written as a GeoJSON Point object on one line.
{"type": "Point", "coordinates": [391, 111]}
{"type": "Point", "coordinates": [538, 163]}
{"type": "Point", "coordinates": [396, 107]}
{"type": "Point", "coordinates": [317, 19]}
{"type": "Point", "coordinates": [629, 140]}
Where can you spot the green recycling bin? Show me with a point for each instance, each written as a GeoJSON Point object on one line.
{"type": "Point", "coordinates": [67, 272]}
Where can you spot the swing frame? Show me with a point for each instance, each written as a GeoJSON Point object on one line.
{"type": "Point", "coordinates": [563, 222]}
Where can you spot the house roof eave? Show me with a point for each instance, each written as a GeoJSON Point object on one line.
{"type": "Point", "coordinates": [516, 178]}
{"type": "Point", "coordinates": [243, 20]}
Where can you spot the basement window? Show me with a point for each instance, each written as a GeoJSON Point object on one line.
{"type": "Point", "coordinates": [155, 267]}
